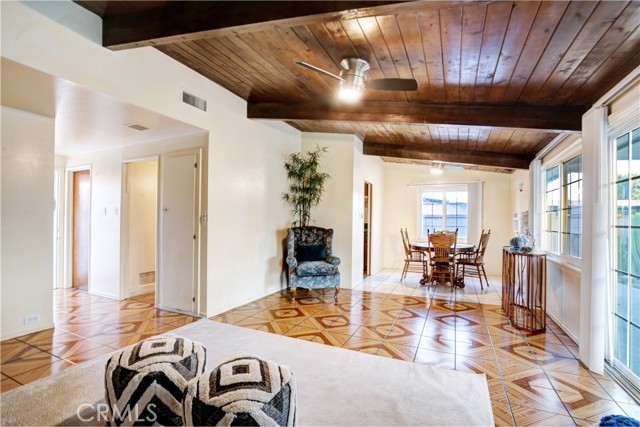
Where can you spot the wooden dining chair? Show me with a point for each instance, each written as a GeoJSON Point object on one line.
{"type": "Point", "coordinates": [412, 257]}
{"type": "Point", "coordinates": [442, 256]}
{"type": "Point", "coordinates": [474, 260]}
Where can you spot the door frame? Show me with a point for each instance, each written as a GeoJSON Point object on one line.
{"type": "Point", "coordinates": [59, 228]}
{"type": "Point", "coordinates": [68, 228]}
{"type": "Point", "coordinates": [368, 200]}
{"type": "Point", "coordinates": [125, 289]}
{"type": "Point", "coordinates": [198, 221]}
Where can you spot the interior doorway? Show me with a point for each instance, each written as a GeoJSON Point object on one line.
{"type": "Point", "coordinates": [139, 225]}
{"type": "Point", "coordinates": [81, 228]}
{"type": "Point", "coordinates": [367, 228]}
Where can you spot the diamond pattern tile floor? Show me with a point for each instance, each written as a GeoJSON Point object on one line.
{"type": "Point", "coordinates": [533, 380]}
{"type": "Point", "coordinates": [87, 326]}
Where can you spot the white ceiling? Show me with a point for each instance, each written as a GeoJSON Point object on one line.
{"type": "Point", "coordinates": [86, 121]}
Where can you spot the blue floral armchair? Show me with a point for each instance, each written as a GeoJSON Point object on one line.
{"type": "Point", "coordinates": [310, 261]}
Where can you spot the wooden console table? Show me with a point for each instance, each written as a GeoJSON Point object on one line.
{"type": "Point", "coordinates": [524, 289]}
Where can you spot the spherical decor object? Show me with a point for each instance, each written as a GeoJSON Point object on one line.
{"type": "Point", "coordinates": [244, 390]}
{"type": "Point", "coordinates": [145, 382]}
{"type": "Point", "coordinates": [516, 242]}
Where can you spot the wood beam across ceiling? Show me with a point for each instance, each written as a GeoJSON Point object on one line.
{"type": "Point", "coordinates": [179, 21]}
{"type": "Point", "coordinates": [482, 158]}
{"type": "Point", "coordinates": [548, 117]}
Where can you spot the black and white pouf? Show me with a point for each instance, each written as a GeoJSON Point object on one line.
{"type": "Point", "coordinates": [244, 390]}
{"type": "Point", "coordinates": [145, 382]}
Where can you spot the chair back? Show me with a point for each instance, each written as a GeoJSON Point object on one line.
{"type": "Point", "coordinates": [482, 246]}
{"type": "Point", "coordinates": [444, 246]}
{"type": "Point", "coordinates": [405, 241]}
{"type": "Point", "coordinates": [309, 236]}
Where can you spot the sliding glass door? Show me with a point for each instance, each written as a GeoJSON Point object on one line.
{"type": "Point", "coordinates": [625, 316]}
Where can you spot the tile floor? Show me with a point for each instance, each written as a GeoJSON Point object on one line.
{"type": "Point", "coordinates": [533, 380]}
{"type": "Point", "coordinates": [86, 326]}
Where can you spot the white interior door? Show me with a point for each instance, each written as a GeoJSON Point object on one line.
{"type": "Point", "coordinates": [178, 231]}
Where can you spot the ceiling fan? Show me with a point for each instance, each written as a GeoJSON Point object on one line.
{"type": "Point", "coordinates": [353, 79]}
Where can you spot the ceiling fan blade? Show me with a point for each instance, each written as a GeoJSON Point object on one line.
{"type": "Point", "coordinates": [392, 84]}
{"type": "Point", "coordinates": [320, 70]}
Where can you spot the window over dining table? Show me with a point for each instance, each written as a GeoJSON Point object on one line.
{"type": "Point", "coordinates": [449, 207]}
{"type": "Point", "coordinates": [445, 210]}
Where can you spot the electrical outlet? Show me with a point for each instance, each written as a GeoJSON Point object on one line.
{"type": "Point", "coordinates": [31, 319]}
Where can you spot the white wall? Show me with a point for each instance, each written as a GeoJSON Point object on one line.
{"type": "Point", "coordinates": [246, 214]}
{"type": "Point", "coordinates": [520, 199]}
{"type": "Point", "coordinates": [401, 208]}
{"type": "Point", "coordinates": [342, 201]}
{"type": "Point", "coordinates": [27, 221]}
{"type": "Point", "coordinates": [142, 183]}
{"type": "Point", "coordinates": [357, 219]}
{"type": "Point", "coordinates": [248, 219]}
{"type": "Point", "coordinates": [373, 172]}
{"type": "Point", "coordinates": [563, 296]}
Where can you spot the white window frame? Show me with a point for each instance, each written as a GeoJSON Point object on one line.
{"type": "Point", "coordinates": [438, 187]}
{"type": "Point", "coordinates": [570, 152]}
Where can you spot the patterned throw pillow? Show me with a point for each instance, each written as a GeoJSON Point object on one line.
{"type": "Point", "coordinates": [244, 390]}
{"type": "Point", "coordinates": [145, 382]}
{"type": "Point", "coordinates": [311, 253]}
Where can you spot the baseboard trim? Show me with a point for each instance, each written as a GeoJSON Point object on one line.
{"type": "Point", "coordinates": [175, 310]}
{"type": "Point", "coordinates": [104, 294]}
{"type": "Point", "coordinates": [27, 331]}
{"type": "Point", "coordinates": [564, 328]}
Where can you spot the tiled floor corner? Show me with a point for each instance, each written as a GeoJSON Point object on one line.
{"type": "Point", "coordinates": [86, 326]}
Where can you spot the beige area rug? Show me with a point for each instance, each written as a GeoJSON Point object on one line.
{"type": "Point", "coordinates": [336, 387]}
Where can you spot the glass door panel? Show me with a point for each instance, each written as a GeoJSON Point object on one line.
{"type": "Point", "coordinates": [625, 331]}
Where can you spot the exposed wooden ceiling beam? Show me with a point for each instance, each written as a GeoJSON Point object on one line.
{"type": "Point", "coordinates": [547, 117]}
{"type": "Point", "coordinates": [179, 21]}
{"type": "Point", "coordinates": [483, 158]}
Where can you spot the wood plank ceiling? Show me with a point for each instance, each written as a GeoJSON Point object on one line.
{"type": "Point", "coordinates": [497, 80]}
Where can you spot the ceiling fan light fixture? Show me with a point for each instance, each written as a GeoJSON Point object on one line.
{"type": "Point", "coordinates": [353, 74]}
{"type": "Point", "coordinates": [350, 94]}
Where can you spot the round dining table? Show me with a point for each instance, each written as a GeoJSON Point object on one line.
{"type": "Point", "coordinates": [460, 249]}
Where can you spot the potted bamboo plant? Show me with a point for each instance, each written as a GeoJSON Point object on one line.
{"type": "Point", "coordinates": [307, 184]}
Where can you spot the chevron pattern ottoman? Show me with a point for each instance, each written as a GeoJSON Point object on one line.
{"type": "Point", "coordinates": [244, 390]}
{"type": "Point", "coordinates": [145, 382]}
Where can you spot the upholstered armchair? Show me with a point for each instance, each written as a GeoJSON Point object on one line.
{"type": "Point", "coordinates": [310, 261]}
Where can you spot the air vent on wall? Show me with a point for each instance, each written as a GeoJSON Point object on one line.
{"type": "Point", "coordinates": [194, 101]}
{"type": "Point", "coordinates": [136, 126]}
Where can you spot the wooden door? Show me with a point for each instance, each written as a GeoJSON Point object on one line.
{"type": "Point", "coordinates": [81, 228]}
